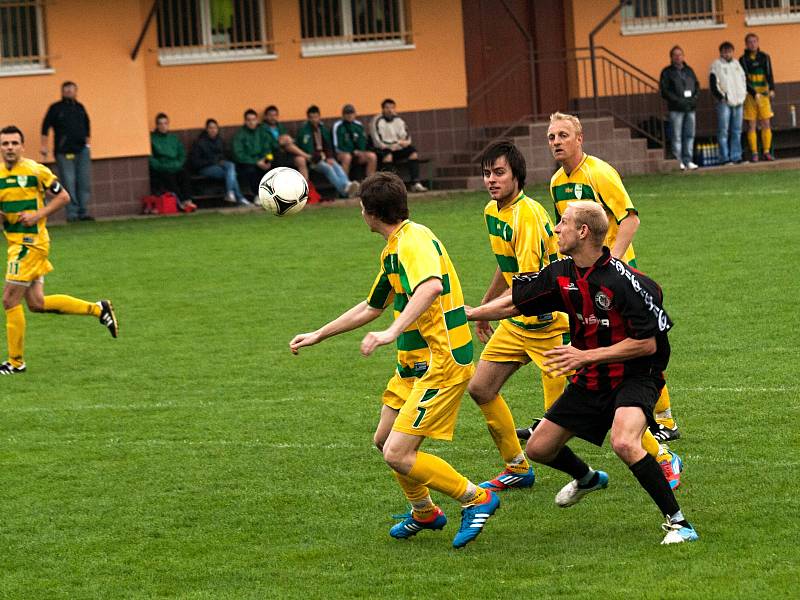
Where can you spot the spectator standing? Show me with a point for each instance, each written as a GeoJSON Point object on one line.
{"type": "Point", "coordinates": [315, 139]}
{"type": "Point", "coordinates": [286, 153]}
{"type": "Point", "coordinates": [168, 164]}
{"type": "Point", "coordinates": [760, 89]}
{"type": "Point", "coordinates": [679, 87]}
{"type": "Point", "coordinates": [207, 157]}
{"type": "Point", "coordinates": [393, 142]}
{"type": "Point", "coordinates": [350, 142]}
{"type": "Point", "coordinates": [70, 124]}
{"type": "Point", "coordinates": [729, 87]}
{"type": "Point", "coordinates": [252, 150]}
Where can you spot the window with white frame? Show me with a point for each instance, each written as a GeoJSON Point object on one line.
{"type": "Point", "coordinates": [22, 47]}
{"type": "Point", "coordinates": [194, 31]}
{"type": "Point", "coordinates": [762, 12]}
{"type": "Point", "coordinates": [645, 16]}
{"type": "Point", "coordinates": [351, 26]}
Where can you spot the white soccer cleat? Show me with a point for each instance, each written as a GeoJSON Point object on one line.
{"type": "Point", "coordinates": [677, 533]}
{"type": "Point", "coordinates": [572, 493]}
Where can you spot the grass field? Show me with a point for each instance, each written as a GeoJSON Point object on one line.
{"type": "Point", "coordinates": [195, 457]}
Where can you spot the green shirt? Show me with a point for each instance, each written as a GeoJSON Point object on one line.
{"type": "Point", "coordinates": [253, 145]}
{"type": "Point", "coordinates": [167, 153]}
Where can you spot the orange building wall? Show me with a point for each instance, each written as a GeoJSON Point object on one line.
{"type": "Point", "coordinates": [89, 43]}
{"type": "Point", "coordinates": [432, 76]}
{"type": "Point", "coordinates": [650, 52]}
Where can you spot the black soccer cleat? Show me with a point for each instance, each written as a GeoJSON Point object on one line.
{"type": "Point", "coordinates": [662, 433]}
{"type": "Point", "coordinates": [8, 369]}
{"type": "Point", "coordinates": [108, 318]}
{"type": "Point", "coordinates": [525, 433]}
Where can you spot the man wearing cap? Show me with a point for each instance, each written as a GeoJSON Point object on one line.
{"type": "Point", "coordinates": [350, 142]}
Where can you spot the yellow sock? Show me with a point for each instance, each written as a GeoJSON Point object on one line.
{"type": "Point", "coordinates": [663, 409]}
{"type": "Point", "coordinates": [501, 427]}
{"type": "Point", "coordinates": [752, 141]}
{"type": "Point", "coordinates": [432, 471]}
{"type": "Point", "coordinates": [766, 140]}
{"type": "Point", "coordinates": [650, 444]}
{"type": "Point", "coordinates": [15, 334]}
{"type": "Point", "coordinates": [552, 387]}
{"type": "Point", "coordinates": [67, 305]}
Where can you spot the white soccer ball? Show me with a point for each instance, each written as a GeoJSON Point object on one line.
{"type": "Point", "coordinates": [282, 191]}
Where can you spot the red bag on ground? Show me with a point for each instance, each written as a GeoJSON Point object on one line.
{"type": "Point", "coordinates": [313, 194]}
{"type": "Point", "coordinates": [165, 204]}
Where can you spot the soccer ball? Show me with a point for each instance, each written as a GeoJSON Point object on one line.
{"type": "Point", "coordinates": [282, 191]}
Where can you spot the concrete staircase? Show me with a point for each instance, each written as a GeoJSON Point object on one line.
{"type": "Point", "coordinates": [601, 138]}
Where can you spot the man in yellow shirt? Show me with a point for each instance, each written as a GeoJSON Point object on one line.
{"type": "Point", "coordinates": [434, 360]}
{"type": "Point", "coordinates": [23, 185]}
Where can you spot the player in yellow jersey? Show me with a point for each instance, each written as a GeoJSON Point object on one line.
{"type": "Point", "coordinates": [522, 240]}
{"type": "Point", "coordinates": [585, 177]}
{"type": "Point", "coordinates": [23, 185]}
{"type": "Point", "coordinates": [434, 360]}
{"type": "Point", "coordinates": [760, 90]}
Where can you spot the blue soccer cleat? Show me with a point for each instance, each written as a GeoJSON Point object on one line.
{"type": "Point", "coordinates": [572, 493]}
{"type": "Point", "coordinates": [677, 533]}
{"type": "Point", "coordinates": [671, 465]}
{"type": "Point", "coordinates": [508, 479]}
{"type": "Point", "coordinates": [410, 526]}
{"type": "Point", "coordinates": [473, 518]}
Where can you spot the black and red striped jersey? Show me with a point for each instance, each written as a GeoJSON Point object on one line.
{"type": "Point", "coordinates": [606, 303]}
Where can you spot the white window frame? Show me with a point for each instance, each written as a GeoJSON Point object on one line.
{"type": "Point", "coordinates": [332, 46]}
{"type": "Point", "coordinates": [782, 14]}
{"type": "Point", "coordinates": [40, 65]}
{"type": "Point", "coordinates": [202, 54]}
{"type": "Point", "coordinates": [631, 25]}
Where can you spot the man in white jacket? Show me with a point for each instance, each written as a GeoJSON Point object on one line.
{"type": "Point", "coordinates": [729, 86]}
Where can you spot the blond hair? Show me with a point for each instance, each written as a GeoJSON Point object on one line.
{"type": "Point", "coordinates": [591, 214]}
{"type": "Point", "coordinates": [576, 122]}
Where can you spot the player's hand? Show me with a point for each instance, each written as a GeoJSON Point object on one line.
{"type": "Point", "coordinates": [563, 359]}
{"type": "Point", "coordinates": [374, 339]}
{"type": "Point", "coordinates": [303, 339]}
{"type": "Point", "coordinates": [28, 218]}
{"type": "Point", "coordinates": [484, 330]}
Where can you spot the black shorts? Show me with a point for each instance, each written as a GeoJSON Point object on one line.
{"type": "Point", "coordinates": [589, 415]}
{"type": "Point", "coordinates": [282, 159]}
{"type": "Point", "coordinates": [397, 155]}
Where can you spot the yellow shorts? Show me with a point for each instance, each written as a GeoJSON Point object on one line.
{"type": "Point", "coordinates": [26, 265]}
{"type": "Point", "coordinates": [754, 111]}
{"type": "Point", "coordinates": [397, 391]}
{"type": "Point", "coordinates": [431, 413]}
{"type": "Point", "coordinates": [509, 344]}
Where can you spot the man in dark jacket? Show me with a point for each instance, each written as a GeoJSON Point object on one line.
{"type": "Point", "coordinates": [253, 149]}
{"type": "Point", "coordinates": [680, 89]}
{"type": "Point", "coordinates": [315, 139]}
{"type": "Point", "coordinates": [167, 164]}
{"type": "Point", "coordinates": [207, 158]}
{"type": "Point", "coordinates": [350, 142]}
{"type": "Point", "coordinates": [70, 123]}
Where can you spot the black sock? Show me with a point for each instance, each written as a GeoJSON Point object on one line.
{"type": "Point", "coordinates": [568, 462]}
{"type": "Point", "coordinates": [652, 479]}
{"type": "Point", "coordinates": [413, 170]}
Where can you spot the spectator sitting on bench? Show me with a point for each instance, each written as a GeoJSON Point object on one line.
{"type": "Point", "coordinates": [252, 150]}
{"type": "Point", "coordinates": [315, 139]}
{"type": "Point", "coordinates": [167, 164]}
{"type": "Point", "coordinates": [286, 153]}
{"type": "Point", "coordinates": [207, 158]}
{"type": "Point", "coordinates": [393, 143]}
{"type": "Point", "coordinates": [350, 142]}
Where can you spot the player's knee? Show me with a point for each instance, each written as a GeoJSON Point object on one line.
{"type": "Point", "coordinates": [392, 457]}
{"type": "Point", "coordinates": [35, 304]}
{"type": "Point", "coordinates": [379, 439]}
{"type": "Point", "coordinates": [625, 446]}
{"type": "Point", "coordinates": [479, 392]}
{"type": "Point", "coordinates": [538, 452]}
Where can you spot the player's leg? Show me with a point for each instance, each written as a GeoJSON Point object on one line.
{"type": "Point", "coordinates": [370, 159]}
{"type": "Point", "coordinates": [766, 129]}
{"type": "Point", "coordinates": [750, 115]}
{"type": "Point", "coordinates": [665, 429]}
{"type": "Point", "coordinates": [345, 158]}
{"type": "Point", "coordinates": [13, 293]}
{"type": "Point", "coordinates": [634, 402]}
{"type": "Point", "coordinates": [552, 387]}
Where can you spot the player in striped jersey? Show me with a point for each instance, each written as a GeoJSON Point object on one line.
{"type": "Point", "coordinates": [434, 360]}
{"type": "Point", "coordinates": [23, 185]}
{"type": "Point", "coordinates": [760, 89]}
{"type": "Point", "coordinates": [522, 240]}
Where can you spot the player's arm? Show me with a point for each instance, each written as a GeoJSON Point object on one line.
{"type": "Point", "coordinates": [501, 307]}
{"type": "Point", "coordinates": [59, 198]}
{"type": "Point", "coordinates": [627, 229]}
{"type": "Point", "coordinates": [563, 359]}
{"type": "Point", "coordinates": [361, 314]}
{"type": "Point", "coordinates": [483, 329]}
{"type": "Point", "coordinates": [424, 295]}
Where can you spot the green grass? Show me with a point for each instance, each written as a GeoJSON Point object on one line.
{"type": "Point", "coordinates": [195, 457]}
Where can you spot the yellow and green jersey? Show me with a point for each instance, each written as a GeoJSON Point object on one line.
{"type": "Point", "coordinates": [758, 69]}
{"type": "Point", "coordinates": [522, 239]}
{"type": "Point", "coordinates": [437, 347]}
{"type": "Point", "coordinates": [22, 189]}
{"type": "Point", "coordinates": [595, 179]}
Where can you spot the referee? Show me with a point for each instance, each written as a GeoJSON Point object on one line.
{"type": "Point", "coordinates": [619, 352]}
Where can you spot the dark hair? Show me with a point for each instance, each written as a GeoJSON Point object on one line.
{"type": "Point", "coordinates": [387, 101]}
{"type": "Point", "coordinates": [271, 107]}
{"type": "Point", "coordinates": [725, 46]}
{"type": "Point", "coordinates": [383, 195]}
{"type": "Point", "coordinates": [160, 116]}
{"type": "Point", "coordinates": [749, 35]}
{"type": "Point", "coordinates": [9, 129]}
{"type": "Point", "coordinates": [513, 156]}
{"type": "Point", "coordinates": [210, 121]}
{"type": "Point", "coordinates": [676, 47]}
{"type": "Point", "coordinates": [250, 111]}
{"type": "Point", "coordinates": [312, 109]}
{"type": "Point", "coordinates": [66, 83]}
